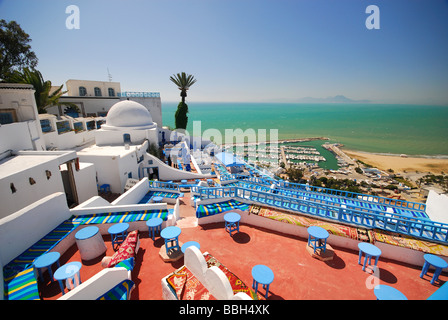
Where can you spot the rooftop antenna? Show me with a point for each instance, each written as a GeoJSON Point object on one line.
{"type": "Point", "coordinates": [109, 75]}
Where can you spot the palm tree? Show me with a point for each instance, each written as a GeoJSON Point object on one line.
{"type": "Point", "coordinates": [42, 89]}
{"type": "Point", "coordinates": [183, 82]}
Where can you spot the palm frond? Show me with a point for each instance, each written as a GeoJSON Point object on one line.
{"type": "Point", "coordinates": [182, 81]}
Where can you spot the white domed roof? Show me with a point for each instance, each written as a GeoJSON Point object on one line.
{"type": "Point", "coordinates": [128, 114]}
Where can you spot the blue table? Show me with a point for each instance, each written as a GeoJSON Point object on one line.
{"type": "Point", "coordinates": [86, 233]}
{"type": "Point", "coordinates": [184, 181]}
{"type": "Point", "coordinates": [370, 251]}
{"type": "Point", "coordinates": [90, 242]}
{"type": "Point", "coordinates": [171, 237]}
{"type": "Point", "coordinates": [46, 261]}
{"type": "Point", "coordinates": [157, 199]}
{"type": "Point", "coordinates": [118, 233]}
{"type": "Point", "coordinates": [437, 262]}
{"type": "Point", "coordinates": [68, 272]}
{"type": "Point", "coordinates": [383, 292]}
{"type": "Point", "coordinates": [154, 224]}
{"type": "Point", "coordinates": [263, 275]}
{"type": "Point", "coordinates": [232, 222]}
{"type": "Point", "coordinates": [190, 244]}
{"type": "Point", "coordinates": [317, 237]}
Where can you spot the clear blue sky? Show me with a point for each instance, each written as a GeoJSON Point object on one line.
{"type": "Point", "coordinates": [246, 50]}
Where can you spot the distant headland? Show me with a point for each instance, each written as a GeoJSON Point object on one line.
{"type": "Point", "coordinates": [335, 99]}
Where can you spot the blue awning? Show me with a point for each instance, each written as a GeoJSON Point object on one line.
{"type": "Point", "coordinates": [229, 160]}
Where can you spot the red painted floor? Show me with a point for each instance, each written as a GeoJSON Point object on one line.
{"type": "Point", "coordinates": [297, 275]}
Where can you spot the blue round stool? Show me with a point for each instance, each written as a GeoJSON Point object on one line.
{"type": "Point", "coordinates": [263, 275]}
{"type": "Point", "coordinates": [171, 237]}
{"type": "Point", "coordinates": [232, 222]}
{"type": "Point", "coordinates": [154, 224]}
{"type": "Point", "coordinates": [370, 251]}
{"type": "Point", "coordinates": [437, 262]}
{"type": "Point", "coordinates": [317, 237]}
{"type": "Point", "coordinates": [46, 261]}
{"type": "Point", "coordinates": [383, 292]}
{"type": "Point", "coordinates": [68, 272]}
{"type": "Point", "coordinates": [118, 233]}
{"type": "Point", "coordinates": [157, 199]}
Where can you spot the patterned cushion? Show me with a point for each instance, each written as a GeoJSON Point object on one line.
{"type": "Point", "coordinates": [187, 286]}
{"type": "Point", "coordinates": [126, 249]}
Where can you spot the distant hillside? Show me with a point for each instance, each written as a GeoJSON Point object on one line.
{"type": "Point", "coordinates": [335, 99]}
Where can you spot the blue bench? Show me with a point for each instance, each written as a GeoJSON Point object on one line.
{"type": "Point", "coordinates": [19, 279]}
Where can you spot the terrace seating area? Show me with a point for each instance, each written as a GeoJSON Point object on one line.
{"type": "Point", "coordinates": [399, 216]}
{"type": "Point", "coordinates": [19, 276]}
{"type": "Point", "coordinates": [257, 242]}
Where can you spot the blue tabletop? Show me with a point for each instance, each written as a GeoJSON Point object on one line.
{"type": "Point", "coordinates": [318, 232]}
{"type": "Point", "coordinates": [262, 274]}
{"type": "Point", "coordinates": [435, 261]}
{"type": "Point", "coordinates": [154, 222]}
{"type": "Point", "coordinates": [232, 217]}
{"type": "Point", "coordinates": [183, 181]}
{"type": "Point", "coordinates": [118, 228]}
{"type": "Point", "coordinates": [189, 244]}
{"type": "Point", "coordinates": [47, 259]}
{"type": "Point", "coordinates": [86, 233]}
{"type": "Point", "coordinates": [170, 232]}
{"type": "Point", "coordinates": [157, 199]}
{"type": "Point", "coordinates": [383, 292]}
{"type": "Point", "coordinates": [369, 249]}
{"type": "Point", "coordinates": [67, 270]}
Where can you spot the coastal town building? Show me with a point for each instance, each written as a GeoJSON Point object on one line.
{"type": "Point", "coordinates": [19, 119]}
{"type": "Point", "coordinates": [28, 172]}
{"type": "Point", "coordinates": [95, 98]}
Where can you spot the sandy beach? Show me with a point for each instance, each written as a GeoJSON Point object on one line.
{"type": "Point", "coordinates": [401, 164]}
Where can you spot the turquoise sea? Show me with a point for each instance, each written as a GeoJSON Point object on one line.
{"type": "Point", "coordinates": [377, 128]}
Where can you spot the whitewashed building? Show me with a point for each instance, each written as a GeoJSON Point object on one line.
{"type": "Point", "coordinates": [95, 98]}
{"type": "Point", "coordinates": [28, 172]}
{"type": "Point", "coordinates": [19, 122]}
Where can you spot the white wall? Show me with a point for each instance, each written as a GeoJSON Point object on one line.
{"type": "Point", "coordinates": [437, 206]}
{"type": "Point", "coordinates": [85, 180]}
{"type": "Point", "coordinates": [90, 105]}
{"type": "Point", "coordinates": [22, 229]}
{"type": "Point", "coordinates": [15, 136]}
{"type": "Point", "coordinates": [26, 193]}
{"type": "Point", "coordinates": [107, 169]}
{"type": "Point", "coordinates": [20, 97]}
{"type": "Point", "coordinates": [169, 173]}
{"type": "Point", "coordinates": [154, 105]}
{"type": "Point", "coordinates": [97, 285]}
{"type": "Point", "coordinates": [135, 194]}
{"type": "Point", "coordinates": [113, 164]}
{"type": "Point", "coordinates": [115, 137]}
{"type": "Point", "coordinates": [73, 85]}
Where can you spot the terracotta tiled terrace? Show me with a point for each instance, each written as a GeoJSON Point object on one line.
{"type": "Point", "coordinates": [298, 276]}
